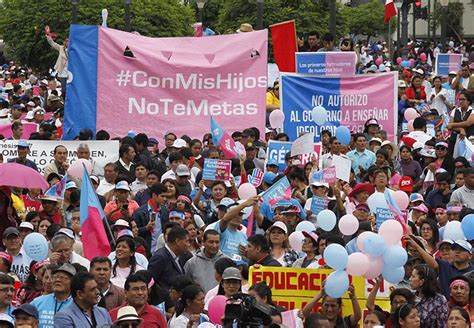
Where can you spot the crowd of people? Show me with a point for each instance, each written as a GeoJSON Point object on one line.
{"type": "Point", "coordinates": [179, 240]}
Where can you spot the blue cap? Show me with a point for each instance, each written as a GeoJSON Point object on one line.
{"type": "Point", "coordinates": [23, 143]}
{"type": "Point", "coordinates": [28, 309]}
{"type": "Point", "coordinates": [272, 162]}
{"type": "Point", "coordinates": [226, 202]}
{"type": "Point", "coordinates": [283, 203]}
{"type": "Point", "coordinates": [176, 214]}
{"type": "Point", "coordinates": [268, 177]}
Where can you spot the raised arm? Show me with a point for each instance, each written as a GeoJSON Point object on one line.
{"type": "Point", "coordinates": [53, 44]}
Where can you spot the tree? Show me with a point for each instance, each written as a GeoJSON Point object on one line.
{"type": "Point", "coordinates": [367, 19]}
{"type": "Point", "coordinates": [22, 23]}
{"type": "Point", "coordinates": [454, 22]}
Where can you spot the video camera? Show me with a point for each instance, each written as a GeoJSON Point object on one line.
{"type": "Point", "coordinates": [246, 312]}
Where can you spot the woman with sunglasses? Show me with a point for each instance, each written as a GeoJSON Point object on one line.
{"type": "Point", "coordinates": [444, 159]}
{"type": "Point", "coordinates": [310, 248]}
{"type": "Point", "coordinates": [432, 306]}
{"type": "Point", "coordinates": [461, 121]}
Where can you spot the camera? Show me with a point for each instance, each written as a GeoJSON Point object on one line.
{"type": "Point", "coordinates": [244, 311]}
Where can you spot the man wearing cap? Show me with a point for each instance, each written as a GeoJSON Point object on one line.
{"type": "Point", "coordinates": [272, 166]}
{"type": "Point", "coordinates": [232, 238]}
{"type": "Point", "coordinates": [200, 267]}
{"type": "Point", "coordinates": [127, 316]}
{"type": "Point", "coordinates": [13, 246]}
{"type": "Point", "coordinates": [25, 229]}
{"type": "Point", "coordinates": [462, 252]}
{"type": "Point", "coordinates": [50, 209]}
{"type": "Point", "coordinates": [136, 292]}
{"type": "Point", "coordinates": [267, 180]}
{"type": "Point", "coordinates": [26, 315]}
{"type": "Point", "coordinates": [49, 305]}
{"type": "Point", "coordinates": [185, 186]}
{"type": "Point", "coordinates": [465, 194]}
{"type": "Point", "coordinates": [83, 311]}
{"type": "Point", "coordinates": [361, 158]}
{"type": "Point", "coordinates": [60, 163]}
{"type": "Point", "coordinates": [23, 149]}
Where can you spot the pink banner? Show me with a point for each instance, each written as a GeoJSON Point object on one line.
{"type": "Point", "coordinates": [28, 129]}
{"type": "Point", "coordinates": [176, 84]}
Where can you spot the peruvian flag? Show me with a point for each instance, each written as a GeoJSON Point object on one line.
{"type": "Point", "coordinates": [390, 11]}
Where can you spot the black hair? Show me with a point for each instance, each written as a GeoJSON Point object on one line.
{"type": "Point", "coordinates": [315, 33]}
{"type": "Point", "coordinates": [186, 152]}
{"type": "Point", "coordinates": [52, 229]}
{"type": "Point", "coordinates": [6, 279]}
{"type": "Point", "coordinates": [323, 132]}
{"type": "Point", "coordinates": [328, 37]}
{"type": "Point", "coordinates": [101, 259]}
{"type": "Point", "coordinates": [358, 135]}
{"type": "Point", "coordinates": [384, 153]}
{"type": "Point", "coordinates": [431, 284]}
{"type": "Point", "coordinates": [102, 135]}
{"type": "Point", "coordinates": [259, 241]}
{"type": "Point", "coordinates": [404, 292]}
{"type": "Point", "coordinates": [79, 267]}
{"type": "Point", "coordinates": [132, 262]}
{"type": "Point", "coordinates": [157, 189]}
{"type": "Point", "coordinates": [175, 156]}
{"type": "Point", "coordinates": [222, 264]}
{"type": "Point", "coordinates": [263, 291]}
{"type": "Point", "coordinates": [134, 278]}
{"type": "Point", "coordinates": [419, 123]}
{"type": "Point", "coordinates": [137, 164]}
{"type": "Point", "coordinates": [141, 139]}
{"type": "Point", "coordinates": [257, 133]}
{"type": "Point", "coordinates": [401, 312]}
{"type": "Point", "coordinates": [31, 215]}
{"type": "Point", "coordinates": [312, 320]}
{"type": "Point", "coordinates": [180, 282]}
{"type": "Point", "coordinates": [124, 149]}
{"type": "Point", "coordinates": [282, 135]}
{"type": "Point", "coordinates": [176, 233]}
{"type": "Point", "coordinates": [463, 313]}
{"type": "Point", "coordinates": [209, 232]}
{"type": "Point", "coordinates": [380, 316]}
{"type": "Point", "coordinates": [189, 293]}
{"type": "Point", "coordinates": [56, 148]}
{"type": "Point", "coordinates": [297, 173]}
{"type": "Point", "coordinates": [79, 282]}
{"type": "Point", "coordinates": [467, 95]}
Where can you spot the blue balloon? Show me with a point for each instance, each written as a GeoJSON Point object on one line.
{"type": "Point", "coordinates": [319, 115]}
{"type": "Point", "coordinates": [406, 64]}
{"type": "Point", "coordinates": [337, 284]}
{"type": "Point", "coordinates": [343, 134]}
{"type": "Point", "coordinates": [381, 67]}
{"type": "Point", "coordinates": [395, 256]}
{"type": "Point", "coordinates": [305, 226]}
{"type": "Point", "coordinates": [336, 256]}
{"type": "Point", "coordinates": [326, 220]}
{"type": "Point", "coordinates": [393, 275]}
{"type": "Point", "coordinates": [467, 225]}
{"type": "Point", "coordinates": [36, 246]}
{"type": "Point", "coordinates": [374, 245]}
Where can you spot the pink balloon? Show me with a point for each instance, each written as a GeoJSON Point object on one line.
{"type": "Point", "coordinates": [216, 308]}
{"type": "Point", "coordinates": [401, 199]}
{"type": "Point", "coordinates": [348, 224]}
{"type": "Point", "coordinates": [246, 191]}
{"type": "Point", "coordinates": [375, 268]}
{"type": "Point", "coordinates": [399, 60]}
{"type": "Point", "coordinates": [410, 114]}
{"type": "Point", "coordinates": [423, 56]}
{"type": "Point", "coordinates": [361, 239]}
{"type": "Point", "coordinates": [296, 240]}
{"type": "Point", "coordinates": [357, 264]}
{"type": "Point", "coordinates": [378, 61]}
{"type": "Point", "coordinates": [410, 126]}
{"type": "Point", "coordinates": [391, 231]}
{"type": "Point", "coordinates": [75, 170]}
{"type": "Point", "coordinates": [276, 118]}
{"type": "Point", "coordinates": [412, 62]}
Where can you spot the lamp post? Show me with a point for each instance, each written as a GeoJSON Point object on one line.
{"type": "Point", "coordinates": [127, 15]}
{"type": "Point", "coordinates": [398, 4]}
{"type": "Point", "coordinates": [404, 34]}
{"type": "Point", "coordinates": [74, 11]}
{"type": "Point", "coordinates": [332, 17]}
{"type": "Point", "coordinates": [444, 10]}
{"type": "Point", "coordinates": [259, 14]}
{"type": "Point", "coordinates": [200, 4]}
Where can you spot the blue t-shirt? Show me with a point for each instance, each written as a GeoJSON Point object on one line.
{"type": "Point", "coordinates": [48, 306]}
{"type": "Point", "coordinates": [231, 240]}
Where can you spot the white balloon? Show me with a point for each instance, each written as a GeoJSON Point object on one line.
{"type": "Point", "coordinates": [276, 118]}
{"type": "Point", "coordinates": [319, 115]}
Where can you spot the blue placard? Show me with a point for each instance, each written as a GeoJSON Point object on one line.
{"type": "Point", "coordinates": [276, 191]}
{"type": "Point", "coordinates": [382, 215]}
{"type": "Point", "coordinates": [446, 63]}
{"type": "Point", "coordinates": [318, 204]}
{"type": "Point", "coordinates": [311, 63]}
{"type": "Point", "coordinates": [277, 150]}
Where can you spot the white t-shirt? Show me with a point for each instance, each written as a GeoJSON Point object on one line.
{"type": "Point", "coordinates": [21, 265]}
{"type": "Point", "coordinates": [439, 103]}
{"type": "Point", "coordinates": [122, 275]}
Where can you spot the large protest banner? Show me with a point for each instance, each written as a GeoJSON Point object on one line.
{"type": "Point", "coordinates": [277, 150]}
{"type": "Point", "coordinates": [164, 84]}
{"type": "Point", "coordinates": [28, 129]}
{"type": "Point", "coordinates": [349, 101]}
{"type": "Point", "coordinates": [292, 288]}
{"type": "Point", "coordinates": [446, 63]}
{"type": "Point", "coordinates": [41, 151]}
{"type": "Point", "coordinates": [342, 63]}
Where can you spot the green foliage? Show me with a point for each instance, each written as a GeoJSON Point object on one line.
{"type": "Point", "coordinates": [22, 23]}
{"type": "Point", "coordinates": [367, 19]}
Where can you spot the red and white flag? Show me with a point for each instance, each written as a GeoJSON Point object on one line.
{"type": "Point", "coordinates": [390, 11]}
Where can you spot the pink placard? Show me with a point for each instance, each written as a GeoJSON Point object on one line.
{"type": "Point", "coordinates": [329, 174]}
{"type": "Point", "coordinates": [28, 129]}
{"type": "Point", "coordinates": [176, 84]}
